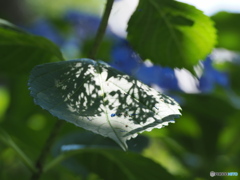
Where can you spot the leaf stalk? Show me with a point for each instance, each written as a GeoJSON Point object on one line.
{"type": "Point", "coordinates": [101, 30]}
{"type": "Point", "coordinates": [43, 155]}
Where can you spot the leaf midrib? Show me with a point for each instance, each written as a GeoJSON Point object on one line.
{"type": "Point", "coordinates": [168, 25]}
{"type": "Point", "coordinates": [105, 106]}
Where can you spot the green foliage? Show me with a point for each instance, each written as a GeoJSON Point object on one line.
{"type": "Point", "coordinates": [5, 138]}
{"type": "Point", "coordinates": [202, 141]}
{"type": "Point", "coordinates": [205, 139]}
{"type": "Point", "coordinates": [24, 50]}
{"type": "Point", "coordinates": [7, 25]}
{"type": "Point", "coordinates": [4, 96]}
{"type": "Point", "coordinates": [51, 8]}
{"type": "Point", "coordinates": [87, 139]}
{"type": "Point", "coordinates": [96, 97]}
{"type": "Point", "coordinates": [114, 164]}
{"type": "Point", "coordinates": [171, 33]}
{"type": "Point", "coordinates": [228, 27]}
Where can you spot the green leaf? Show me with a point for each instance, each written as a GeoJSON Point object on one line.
{"type": "Point", "coordinates": [22, 113]}
{"type": "Point", "coordinates": [171, 33]}
{"type": "Point", "coordinates": [7, 25]}
{"type": "Point", "coordinates": [96, 97]}
{"type": "Point", "coordinates": [87, 139]}
{"type": "Point", "coordinates": [20, 52]}
{"type": "Point", "coordinates": [5, 138]}
{"type": "Point", "coordinates": [228, 26]}
{"type": "Point", "coordinates": [117, 165]}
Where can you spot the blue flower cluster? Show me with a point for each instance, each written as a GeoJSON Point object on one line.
{"type": "Point", "coordinates": [123, 57]}
{"type": "Point", "coordinates": [212, 77]}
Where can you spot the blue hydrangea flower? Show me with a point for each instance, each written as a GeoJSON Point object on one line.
{"type": "Point", "coordinates": [211, 77]}
{"type": "Point", "coordinates": [124, 58]}
{"type": "Point", "coordinates": [85, 25]}
{"type": "Point", "coordinates": [164, 77]}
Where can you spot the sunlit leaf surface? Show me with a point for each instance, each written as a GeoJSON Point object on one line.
{"type": "Point", "coordinates": [96, 97]}
{"type": "Point", "coordinates": [171, 33]}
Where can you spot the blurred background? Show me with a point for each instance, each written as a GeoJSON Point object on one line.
{"type": "Point", "coordinates": [204, 139]}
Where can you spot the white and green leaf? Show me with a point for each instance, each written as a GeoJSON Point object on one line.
{"type": "Point", "coordinates": [96, 97]}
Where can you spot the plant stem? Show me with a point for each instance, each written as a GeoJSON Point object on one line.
{"type": "Point", "coordinates": [93, 52]}
{"type": "Point", "coordinates": [41, 159]}
{"type": "Point", "coordinates": [101, 30]}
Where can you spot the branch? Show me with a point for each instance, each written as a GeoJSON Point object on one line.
{"type": "Point", "coordinates": [101, 30]}
{"type": "Point", "coordinates": [97, 41]}
{"type": "Point", "coordinates": [41, 159]}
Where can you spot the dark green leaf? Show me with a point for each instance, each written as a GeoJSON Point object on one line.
{"type": "Point", "coordinates": [5, 137]}
{"type": "Point", "coordinates": [117, 165]}
{"type": "Point", "coordinates": [23, 115]}
{"type": "Point", "coordinates": [7, 25]}
{"type": "Point", "coordinates": [171, 33]}
{"type": "Point", "coordinates": [20, 52]}
{"type": "Point", "coordinates": [87, 139]}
